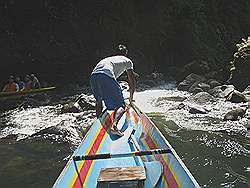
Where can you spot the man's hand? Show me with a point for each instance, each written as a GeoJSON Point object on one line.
{"type": "Point", "coordinates": [131, 99]}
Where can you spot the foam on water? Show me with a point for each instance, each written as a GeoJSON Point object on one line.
{"type": "Point", "coordinates": [163, 99]}
{"type": "Point", "coordinates": [166, 99]}
{"type": "Point", "coordinates": [27, 122]}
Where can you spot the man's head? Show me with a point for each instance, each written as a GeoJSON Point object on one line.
{"type": "Point", "coordinates": [11, 79]}
{"type": "Point", "coordinates": [27, 78]}
{"type": "Point", "coordinates": [122, 49]}
{"type": "Point", "coordinates": [18, 79]}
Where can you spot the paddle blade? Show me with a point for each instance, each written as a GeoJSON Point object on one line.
{"type": "Point", "coordinates": [154, 171]}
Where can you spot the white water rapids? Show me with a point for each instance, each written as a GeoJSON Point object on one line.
{"type": "Point", "coordinates": [215, 151]}
{"type": "Point", "coordinates": [163, 99]}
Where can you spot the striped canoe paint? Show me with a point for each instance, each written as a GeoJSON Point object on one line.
{"type": "Point", "coordinates": [99, 140]}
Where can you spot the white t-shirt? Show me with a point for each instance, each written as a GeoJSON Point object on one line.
{"type": "Point", "coordinates": [113, 66]}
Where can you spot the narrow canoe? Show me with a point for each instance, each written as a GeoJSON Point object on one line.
{"type": "Point", "coordinates": [162, 170]}
{"type": "Point", "coordinates": [25, 92]}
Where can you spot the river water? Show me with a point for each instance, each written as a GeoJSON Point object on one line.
{"type": "Point", "coordinates": [36, 142]}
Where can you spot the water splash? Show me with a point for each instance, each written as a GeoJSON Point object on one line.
{"type": "Point", "coordinates": [168, 100]}
{"type": "Point", "coordinates": [41, 120]}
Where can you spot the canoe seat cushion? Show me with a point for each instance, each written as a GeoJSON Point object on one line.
{"type": "Point", "coordinates": [124, 174]}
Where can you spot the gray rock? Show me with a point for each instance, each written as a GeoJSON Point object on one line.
{"type": "Point", "coordinates": [203, 86]}
{"type": "Point", "coordinates": [199, 87]}
{"type": "Point", "coordinates": [248, 98]}
{"type": "Point", "coordinates": [189, 81]}
{"type": "Point", "coordinates": [233, 115]}
{"type": "Point", "coordinates": [201, 98]}
{"type": "Point", "coordinates": [247, 91]}
{"type": "Point", "coordinates": [70, 108]}
{"type": "Point", "coordinates": [181, 106]}
{"type": "Point", "coordinates": [248, 125]}
{"type": "Point", "coordinates": [214, 83]}
{"type": "Point", "coordinates": [216, 91]}
{"type": "Point", "coordinates": [197, 110]}
{"type": "Point", "coordinates": [221, 91]}
{"type": "Point", "coordinates": [83, 103]}
{"type": "Point", "coordinates": [236, 97]}
{"type": "Point", "coordinates": [197, 90]}
{"type": "Point", "coordinates": [183, 86]}
{"type": "Point", "coordinates": [227, 90]}
{"type": "Point", "coordinates": [193, 86]}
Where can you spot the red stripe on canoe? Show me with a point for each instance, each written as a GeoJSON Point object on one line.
{"type": "Point", "coordinates": [171, 181]}
{"type": "Point", "coordinates": [87, 164]}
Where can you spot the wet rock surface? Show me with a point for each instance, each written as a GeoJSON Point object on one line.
{"type": "Point", "coordinates": [236, 97]}
{"type": "Point", "coordinates": [201, 98]}
{"type": "Point", "coordinates": [189, 81]}
{"type": "Point", "coordinates": [233, 115]}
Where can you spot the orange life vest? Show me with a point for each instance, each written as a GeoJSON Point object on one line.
{"type": "Point", "coordinates": [10, 87]}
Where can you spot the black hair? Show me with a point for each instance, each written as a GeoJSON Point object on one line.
{"type": "Point", "coordinates": [122, 49]}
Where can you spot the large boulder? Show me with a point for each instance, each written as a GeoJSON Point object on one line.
{"type": "Point", "coordinates": [70, 108]}
{"type": "Point", "coordinates": [213, 83]}
{"type": "Point", "coordinates": [236, 97]}
{"type": "Point", "coordinates": [197, 90]}
{"type": "Point", "coordinates": [222, 91]}
{"type": "Point", "coordinates": [199, 87]}
{"type": "Point", "coordinates": [233, 115]}
{"type": "Point", "coordinates": [189, 81]}
{"type": "Point", "coordinates": [247, 91]}
{"type": "Point", "coordinates": [201, 98]}
{"type": "Point", "coordinates": [194, 87]}
{"type": "Point", "coordinates": [81, 104]}
{"type": "Point", "coordinates": [204, 86]}
{"type": "Point", "coordinates": [197, 110]}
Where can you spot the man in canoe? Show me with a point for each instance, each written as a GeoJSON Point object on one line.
{"type": "Point", "coordinates": [104, 83]}
{"type": "Point", "coordinates": [11, 86]}
{"type": "Point", "coordinates": [28, 83]}
{"type": "Point", "coordinates": [20, 83]}
{"type": "Point", "coordinates": [35, 82]}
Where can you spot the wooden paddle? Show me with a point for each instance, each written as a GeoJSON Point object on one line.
{"type": "Point", "coordinates": [119, 155]}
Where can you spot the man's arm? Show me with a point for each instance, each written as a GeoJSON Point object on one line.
{"type": "Point", "coordinates": [4, 88]}
{"type": "Point", "coordinates": [131, 83]}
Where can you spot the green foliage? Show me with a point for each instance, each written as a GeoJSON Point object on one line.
{"type": "Point", "coordinates": [240, 66]}
{"type": "Point", "coordinates": [61, 37]}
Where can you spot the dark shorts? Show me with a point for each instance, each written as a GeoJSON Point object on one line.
{"type": "Point", "coordinates": [108, 90]}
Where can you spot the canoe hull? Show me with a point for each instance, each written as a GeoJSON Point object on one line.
{"type": "Point", "coordinates": [6, 95]}
{"type": "Point", "coordinates": [99, 140]}
{"type": "Point", "coordinates": [175, 173]}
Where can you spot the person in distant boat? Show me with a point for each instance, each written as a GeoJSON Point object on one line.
{"type": "Point", "coordinates": [35, 82]}
{"type": "Point", "coordinates": [11, 86]}
{"type": "Point", "coordinates": [104, 83]}
{"type": "Point", "coordinates": [20, 83]}
{"type": "Point", "coordinates": [28, 83]}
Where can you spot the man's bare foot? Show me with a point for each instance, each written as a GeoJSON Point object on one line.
{"type": "Point", "coordinates": [115, 131]}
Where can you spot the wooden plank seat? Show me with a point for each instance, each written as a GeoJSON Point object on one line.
{"type": "Point", "coordinates": [122, 177]}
